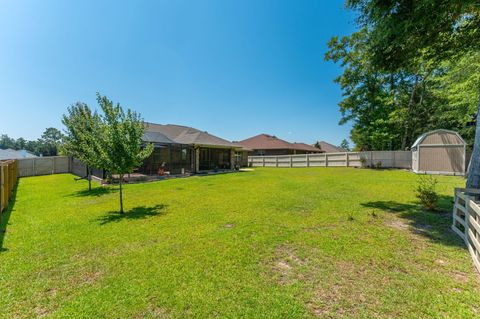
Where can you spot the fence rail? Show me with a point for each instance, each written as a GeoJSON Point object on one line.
{"type": "Point", "coordinates": [394, 159]}
{"type": "Point", "coordinates": [466, 221]}
{"type": "Point", "coordinates": [8, 180]}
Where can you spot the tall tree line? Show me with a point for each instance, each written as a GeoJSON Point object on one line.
{"type": "Point", "coordinates": [50, 143]}
{"type": "Point", "coordinates": [412, 67]}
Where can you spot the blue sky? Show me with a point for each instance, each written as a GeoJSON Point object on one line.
{"type": "Point", "coordinates": [232, 68]}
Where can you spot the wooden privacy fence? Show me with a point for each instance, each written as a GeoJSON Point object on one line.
{"type": "Point", "coordinates": [394, 159]}
{"type": "Point", "coordinates": [8, 180]}
{"type": "Point", "coordinates": [466, 221]}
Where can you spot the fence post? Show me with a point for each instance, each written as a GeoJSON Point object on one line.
{"type": "Point", "coordinates": [346, 158]}
{"type": "Point", "coordinates": [308, 160]}
{"type": "Point", "coordinates": [326, 160]}
{"type": "Point", "coordinates": [276, 161]}
{"type": "Point", "coordinates": [291, 160]}
{"type": "Point", "coordinates": [263, 158]}
{"type": "Point", "coordinates": [394, 164]}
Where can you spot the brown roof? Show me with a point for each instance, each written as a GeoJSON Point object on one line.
{"type": "Point", "coordinates": [265, 142]}
{"type": "Point", "coordinates": [330, 148]}
{"type": "Point", "coordinates": [271, 142]}
{"type": "Point", "coordinates": [186, 135]}
{"type": "Point", "coordinates": [306, 147]}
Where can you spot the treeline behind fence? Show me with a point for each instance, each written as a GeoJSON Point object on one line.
{"type": "Point", "coordinates": [387, 159]}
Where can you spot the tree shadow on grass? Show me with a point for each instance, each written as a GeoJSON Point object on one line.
{"type": "Point", "coordinates": [5, 216]}
{"type": "Point", "coordinates": [140, 212]}
{"type": "Point", "coordinates": [434, 225]}
{"type": "Point", "coordinates": [96, 192]}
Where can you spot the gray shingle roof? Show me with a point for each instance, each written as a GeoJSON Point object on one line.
{"type": "Point", "coordinates": [187, 135]}
{"type": "Point", "coordinates": [14, 154]}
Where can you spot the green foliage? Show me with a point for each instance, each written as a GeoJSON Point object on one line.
{"type": "Point", "coordinates": [50, 144]}
{"type": "Point", "coordinates": [392, 96]}
{"type": "Point", "coordinates": [345, 145]}
{"type": "Point", "coordinates": [426, 191]}
{"type": "Point", "coordinates": [403, 30]}
{"type": "Point", "coordinates": [123, 149]}
{"type": "Point", "coordinates": [84, 138]}
{"type": "Point", "coordinates": [363, 161]}
{"type": "Point", "coordinates": [111, 141]}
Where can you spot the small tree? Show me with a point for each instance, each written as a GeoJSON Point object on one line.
{"type": "Point", "coordinates": [426, 193]}
{"type": "Point", "coordinates": [122, 137]}
{"type": "Point", "coordinates": [83, 139]}
{"type": "Point", "coordinates": [345, 145]}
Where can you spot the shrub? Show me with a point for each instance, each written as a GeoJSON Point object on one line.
{"type": "Point", "coordinates": [378, 165]}
{"type": "Point", "coordinates": [363, 161]}
{"type": "Point", "coordinates": [425, 191]}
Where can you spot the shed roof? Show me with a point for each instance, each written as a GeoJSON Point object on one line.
{"type": "Point", "coordinates": [185, 135]}
{"type": "Point", "coordinates": [422, 137]}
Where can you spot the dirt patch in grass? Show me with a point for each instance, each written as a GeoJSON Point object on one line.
{"type": "Point", "coordinates": [41, 312]}
{"type": "Point", "coordinates": [397, 224]}
{"type": "Point", "coordinates": [460, 277]}
{"type": "Point", "coordinates": [285, 262]}
{"type": "Point", "coordinates": [85, 277]}
{"type": "Point", "coordinates": [153, 312]}
{"type": "Point", "coordinates": [346, 293]}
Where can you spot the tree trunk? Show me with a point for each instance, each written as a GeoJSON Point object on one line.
{"type": "Point", "coordinates": [473, 180]}
{"type": "Point", "coordinates": [89, 177]}
{"type": "Point", "coordinates": [120, 181]}
{"type": "Point", "coordinates": [408, 119]}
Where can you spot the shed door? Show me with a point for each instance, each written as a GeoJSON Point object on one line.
{"type": "Point", "coordinates": [441, 159]}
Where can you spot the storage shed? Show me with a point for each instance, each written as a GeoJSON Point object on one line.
{"type": "Point", "coordinates": [439, 152]}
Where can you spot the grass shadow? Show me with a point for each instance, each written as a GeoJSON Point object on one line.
{"type": "Point", "coordinates": [96, 192]}
{"type": "Point", "coordinates": [434, 225]}
{"type": "Point", "coordinates": [140, 212]}
{"type": "Point", "coordinates": [5, 216]}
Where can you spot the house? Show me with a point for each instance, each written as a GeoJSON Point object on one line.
{"type": "Point", "coordinates": [265, 144]}
{"type": "Point", "coordinates": [15, 154]}
{"type": "Point", "coordinates": [439, 152]}
{"type": "Point", "coordinates": [329, 148]}
{"type": "Point", "coordinates": [182, 150]}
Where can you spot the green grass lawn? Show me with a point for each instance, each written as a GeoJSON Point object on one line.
{"type": "Point", "coordinates": [272, 243]}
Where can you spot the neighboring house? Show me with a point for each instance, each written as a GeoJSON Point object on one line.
{"type": "Point", "coordinates": [265, 144]}
{"type": "Point", "coordinates": [329, 148]}
{"type": "Point", "coordinates": [14, 154]}
{"type": "Point", "coordinates": [182, 150]}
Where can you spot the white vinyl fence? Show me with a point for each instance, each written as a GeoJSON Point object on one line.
{"type": "Point", "coordinates": [43, 165]}
{"type": "Point", "coordinates": [466, 221]}
{"type": "Point", "coordinates": [54, 165]}
{"type": "Point", "coordinates": [393, 159]}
